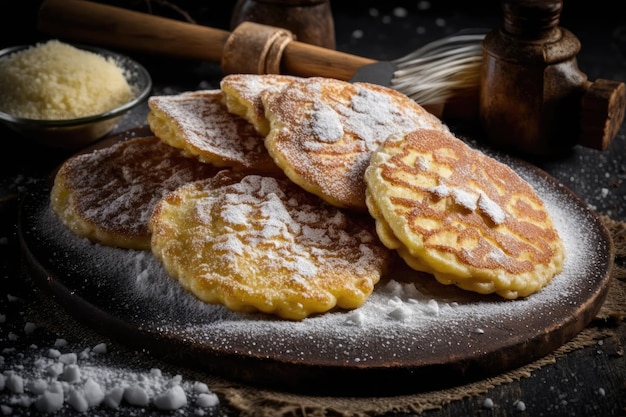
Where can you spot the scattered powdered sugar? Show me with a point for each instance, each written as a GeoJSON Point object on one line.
{"type": "Point", "coordinates": [122, 204]}
{"type": "Point", "coordinates": [281, 228]}
{"type": "Point", "coordinates": [151, 282]}
{"type": "Point", "coordinates": [87, 379]}
{"type": "Point", "coordinates": [373, 116]}
{"type": "Point", "coordinates": [464, 199]}
{"type": "Point", "coordinates": [208, 129]}
{"type": "Point", "coordinates": [440, 190]}
{"type": "Point", "coordinates": [471, 201]}
{"type": "Point", "coordinates": [407, 312]}
{"type": "Point", "coordinates": [326, 123]}
{"type": "Point", "coordinates": [400, 12]}
{"type": "Point", "coordinates": [491, 209]}
{"type": "Point", "coordinates": [488, 403]}
{"type": "Point", "coordinates": [326, 131]}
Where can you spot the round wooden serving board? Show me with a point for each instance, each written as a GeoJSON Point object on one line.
{"type": "Point", "coordinates": [443, 337]}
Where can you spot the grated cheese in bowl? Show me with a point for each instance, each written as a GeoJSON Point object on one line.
{"type": "Point", "coordinates": [55, 80]}
{"type": "Point", "coordinates": [67, 96]}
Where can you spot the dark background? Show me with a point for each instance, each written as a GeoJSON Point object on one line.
{"type": "Point", "coordinates": [565, 389]}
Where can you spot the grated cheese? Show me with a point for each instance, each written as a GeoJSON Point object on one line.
{"type": "Point", "coordinates": [54, 80]}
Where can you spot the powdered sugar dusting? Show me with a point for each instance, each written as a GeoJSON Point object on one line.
{"type": "Point", "coordinates": [331, 127]}
{"type": "Point", "coordinates": [299, 229]}
{"type": "Point", "coordinates": [408, 318]}
{"type": "Point", "coordinates": [405, 310]}
{"type": "Point", "coordinates": [465, 199]}
{"type": "Point", "coordinates": [86, 378]}
{"type": "Point", "coordinates": [326, 123]}
{"type": "Point", "coordinates": [242, 93]}
{"type": "Point", "coordinates": [491, 208]}
{"type": "Point", "coordinates": [471, 201]}
{"type": "Point", "coordinates": [200, 123]}
{"type": "Point", "coordinates": [264, 244]}
{"type": "Point", "coordinates": [115, 189]}
{"type": "Point", "coordinates": [373, 115]}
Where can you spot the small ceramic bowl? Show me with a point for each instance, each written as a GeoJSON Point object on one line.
{"type": "Point", "coordinates": [80, 132]}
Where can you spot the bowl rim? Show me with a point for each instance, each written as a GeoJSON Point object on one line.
{"type": "Point", "coordinates": [141, 95]}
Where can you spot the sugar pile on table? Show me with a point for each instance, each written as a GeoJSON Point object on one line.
{"type": "Point", "coordinates": [53, 379]}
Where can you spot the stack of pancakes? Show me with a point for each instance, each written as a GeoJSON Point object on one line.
{"type": "Point", "coordinates": [289, 196]}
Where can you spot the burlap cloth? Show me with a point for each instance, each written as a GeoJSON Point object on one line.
{"type": "Point", "coordinates": [251, 401]}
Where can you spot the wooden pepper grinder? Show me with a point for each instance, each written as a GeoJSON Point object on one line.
{"type": "Point", "coordinates": [533, 98]}
{"type": "Point", "coordinates": [311, 21]}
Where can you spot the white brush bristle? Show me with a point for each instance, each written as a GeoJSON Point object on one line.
{"type": "Point", "coordinates": [438, 70]}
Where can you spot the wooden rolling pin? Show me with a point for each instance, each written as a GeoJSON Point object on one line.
{"type": "Point", "coordinates": [115, 27]}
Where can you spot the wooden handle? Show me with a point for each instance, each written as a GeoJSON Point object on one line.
{"type": "Point", "coordinates": [603, 108]}
{"type": "Point", "coordinates": [111, 26]}
{"type": "Point", "coordinates": [309, 60]}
